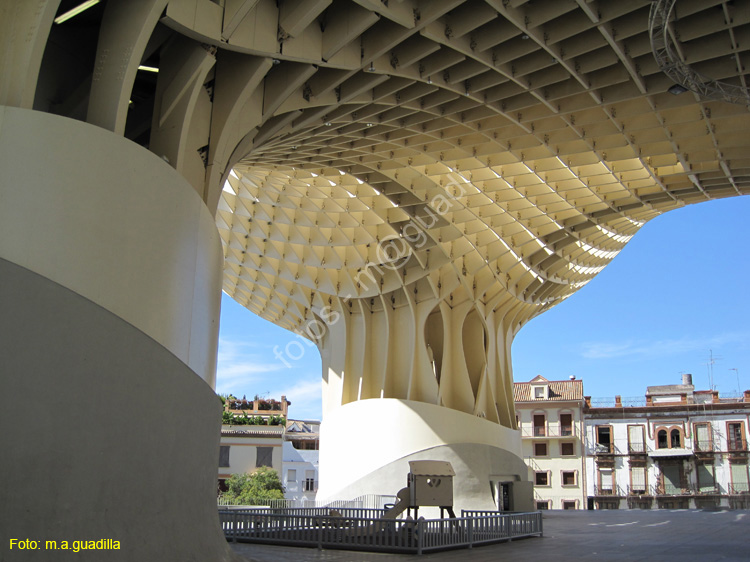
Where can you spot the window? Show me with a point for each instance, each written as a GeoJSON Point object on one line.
{"type": "Point", "coordinates": [661, 439]}
{"type": "Point", "coordinates": [265, 456]}
{"type": "Point", "coordinates": [673, 477]}
{"type": "Point", "coordinates": [291, 475]}
{"type": "Point", "coordinates": [539, 393]}
{"type": "Point", "coordinates": [706, 480]}
{"type": "Point", "coordinates": [675, 438]}
{"type": "Point", "coordinates": [570, 504]}
{"type": "Point", "coordinates": [569, 478]}
{"type": "Point", "coordinates": [638, 480]}
{"type": "Point", "coordinates": [224, 455]}
{"type": "Point", "coordinates": [739, 479]}
{"type": "Point", "coordinates": [539, 425]}
{"type": "Point", "coordinates": [606, 481]}
{"type": "Point", "coordinates": [703, 437]}
{"type": "Point", "coordinates": [566, 424]}
{"type": "Point", "coordinates": [540, 449]}
{"type": "Point", "coordinates": [669, 438]}
{"type": "Point", "coordinates": [309, 481]}
{"type": "Point", "coordinates": [541, 478]}
{"type": "Point", "coordinates": [735, 437]}
{"type": "Point", "coordinates": [567, 449]}
{"type": "Point", "coordinates": [603, 439]}
{"type": "Point", "coordinates": [636, 443]}
{"type": "Point", "coordinates": [542, 504]}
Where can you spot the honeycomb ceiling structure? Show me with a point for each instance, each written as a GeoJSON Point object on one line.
{"type": "Point", "coordinates": [501, 151]}
{"type": "Point", "coordinates": [434, 172]}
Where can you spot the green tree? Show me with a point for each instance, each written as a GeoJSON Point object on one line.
{"type": "Point", "coordinates": [259, 486]}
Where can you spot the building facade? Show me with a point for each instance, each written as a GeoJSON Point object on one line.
{"type": "Point", "coordinates": [300, 460]}
{"type": "Point", "coordinates": [677, 449]}
{"type": "Point", "coordinates": [550, 418]}
{"type": "Point", "coordinates": [252, 435]}
{"type": "Point", "coordinates": [247, 447]}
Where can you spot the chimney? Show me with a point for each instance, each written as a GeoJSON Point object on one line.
{"type": "Point", "coordinates": [687, 378]}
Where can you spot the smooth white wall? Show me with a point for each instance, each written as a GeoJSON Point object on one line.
{"type": "Point", "coordinates": [105, 218]}
{"type": "Point", "coordinates": [365, 446]}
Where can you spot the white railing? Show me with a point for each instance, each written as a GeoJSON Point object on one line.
{"type": "Point", "coordinates": [221, 501]}
{"type": "Point", "coordinates": [354, 532]}
{"type": "Point", "coordinates": [369, 501]}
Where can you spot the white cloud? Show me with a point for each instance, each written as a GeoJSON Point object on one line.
{"type": "Point", "coordinates": [305, 394]}
{"type": "Point", "coordinates": [237, 364]}
{"type": "Point", "coordinates": [641, 349]}
{"type": "Point", "coordinates": [247, 369]}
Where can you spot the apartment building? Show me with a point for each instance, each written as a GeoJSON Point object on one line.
{"type": "Point", "coordinates": [550, 417]}
{"type": "Point", "coordinates": [676, 448]}
{"type": "Point", "coordinates": [252, 435]}
{"type": "Point", "coordinates": [300, 460]}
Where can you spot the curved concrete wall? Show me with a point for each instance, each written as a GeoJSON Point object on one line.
{"type": "Point", "coordinates": [110, 276]}
{"type": "Point", "coordinates": [366, 446]}
{"type": "Point", "coordinates": [106, 434]}
{"type": "Point", "coordinates": [111, 221]}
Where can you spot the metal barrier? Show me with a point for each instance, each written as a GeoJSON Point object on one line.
{"type": "Point", "coordinates": [352, 532]}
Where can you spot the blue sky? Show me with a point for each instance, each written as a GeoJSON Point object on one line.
{"type": "Point", "coordinates": [677, 291]}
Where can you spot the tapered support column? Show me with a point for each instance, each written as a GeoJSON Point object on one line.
{"type": "Point", "coordinates": [421, 381]}
{"type": "Point", "coordinates": [109, 291]}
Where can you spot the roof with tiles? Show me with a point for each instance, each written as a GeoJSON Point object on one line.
{"type": "Point", "coordinates": [558, 390]}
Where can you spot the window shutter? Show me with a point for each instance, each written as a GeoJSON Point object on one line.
{"type": "Point", "coordinates": [638, 479]}
{"type": "Point", "coordinates": [265, 456]}
{"type": "Point", "coordinates": [706, 477]}
{"type": "Point", "coordinates": [635, 434]}
{"type": "Point", "coordinates": [739, 478]}
{"type": "Point", "coordinates": [703, 437]}
{"type": "Point", "coordinates": [224, 455]}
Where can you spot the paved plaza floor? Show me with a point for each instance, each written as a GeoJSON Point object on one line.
{"type": "Point", "coordinates": [669, 535]}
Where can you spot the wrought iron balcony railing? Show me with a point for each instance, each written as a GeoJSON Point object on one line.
{"type": "Point", "coordinates": [614, 491]}
{"type": "Point", "coordinates": [638, 490]}
{"type": "Point", "coordinates": [736, 489]}
{"type": "Point", "coordinates": [550, 430]}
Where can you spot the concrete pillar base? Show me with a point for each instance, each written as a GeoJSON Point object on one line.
{"type": "Point", "coordinates": [366, 447]}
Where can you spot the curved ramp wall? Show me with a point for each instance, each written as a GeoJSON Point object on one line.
{"type": "Point", "coordinates": [110, 283]}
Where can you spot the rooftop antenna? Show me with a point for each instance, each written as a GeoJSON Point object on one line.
{"type": "Point", "coordinates": [737, 372]}
{"type": "Point", "coordinates": [711, 361]}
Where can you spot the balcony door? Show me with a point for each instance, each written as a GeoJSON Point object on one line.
{"type": "Point", "coordinates": [540, 422]}
{"type": "Point", "coordinates": [566, 424]}
{"type": "Point", "coordinates": [673, 476]}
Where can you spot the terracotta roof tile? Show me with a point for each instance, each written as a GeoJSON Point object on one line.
{"type": "Point", "coordinates": [558, 390]}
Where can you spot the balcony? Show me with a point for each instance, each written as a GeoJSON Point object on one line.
{"type": "Point", "coordinates": [637, 448]}
{"type": "Point", "coordinates": [738, 489]}
{"type": "Point", "coordinates": [640, 490]}
{"type": "Point", "coordinates": [552, 430]}
{"type": "Point", "coordinates": [608, 491]}
{"type": "Point", "coordinates": [669, 489]}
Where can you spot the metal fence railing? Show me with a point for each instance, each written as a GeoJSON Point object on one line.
{"type": "Point", "coordinates": [624, 402]}
{"type": "Point", "coordinates": [371, 501]}
{"type": "Point", "coordinates": [352, 532]}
